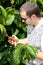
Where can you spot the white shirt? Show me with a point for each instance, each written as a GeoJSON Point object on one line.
{"type": "Point", "coordinates": [41, 23]}
{"type": "Point", "coordinates": [35, 38]}
{"type": "Point", "coordinates": [33, 34]}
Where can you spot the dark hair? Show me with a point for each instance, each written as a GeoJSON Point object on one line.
{"type": "Point", "coordinates": [31, 8]}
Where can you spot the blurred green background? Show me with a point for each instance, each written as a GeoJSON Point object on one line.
{"type": "Point", "coordinates": [11, 23]}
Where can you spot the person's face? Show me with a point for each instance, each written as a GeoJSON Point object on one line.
{"type": "Point", "coordinates": [26, 18]}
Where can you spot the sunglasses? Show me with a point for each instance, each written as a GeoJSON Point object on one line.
{"type": "Point", "coordinates": [24, 19]}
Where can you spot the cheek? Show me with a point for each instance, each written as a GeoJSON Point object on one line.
{"type": "Point", "coordinates": [28, 21]}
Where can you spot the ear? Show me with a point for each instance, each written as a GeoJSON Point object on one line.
{"type": "Point", "coordinates": [33, 16]}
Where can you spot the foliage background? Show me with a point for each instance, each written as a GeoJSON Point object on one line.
{"type": "Point", "coordinates": [11, 23]}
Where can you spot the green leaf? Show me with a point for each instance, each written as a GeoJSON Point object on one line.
{"type": "Point", "coordinates": [4, 13]}
{"type": "Point", "coordinates": [41, 1]}
{"type": "Point", "coordinates": [19, 2]}
{"type": "Point", "coordinates": [17, 20]}
{"type": "Point", "coordinates": [24, 29]}
{"type": "Point", "coordinates": [15, 55]}
{"type": "Point", "coordinates": [2, 32]}
{"type": "Point", "coordinates": [9, 20]}
{"type": "Point", "coordinates": [32, 0]}
{"type": "Point", "coordinates": [16, 32]}
{"type": "Point", "coordinates": [35, 1]}
{"type": "Point", "coordinates": [32, 49]}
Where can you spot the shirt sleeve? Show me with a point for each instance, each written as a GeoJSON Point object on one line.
{"type": "Point", "coordinates": [41, 42]}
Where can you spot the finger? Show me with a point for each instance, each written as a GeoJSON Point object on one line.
{"type": "Point", "coordinates": [15, 36]}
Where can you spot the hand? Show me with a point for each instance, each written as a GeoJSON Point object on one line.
{"type": "Point", "coordinates": [13, 40]}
